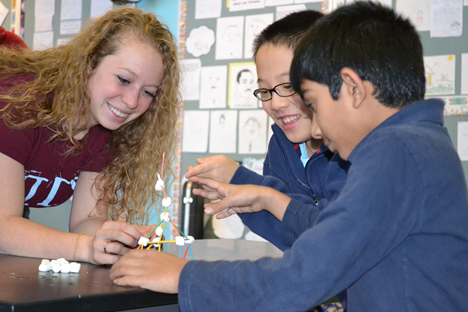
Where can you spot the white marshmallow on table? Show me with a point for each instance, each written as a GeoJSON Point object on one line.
{"type": "Point", "coordinates": [143, 241]}
{"type": "Point", "coordinates": [45, 266]}
{"type": "Point", "coordinates": [179, 240]}
{"type": "Point", "coordinates": [164, 217]}
{"type": "Point", "coordinates": [75, 267]}
{"type": "Point", "coordinates": [166, 202]}
{"type": "Point", "coordinates": [57, 267]}
{"type": "Point", "coordinates": [189, 240]}
{"type": "Point", "coordinates": [159, 231]}
{"type": "Point", "coordinates": [65, 267]}
{"type": "Point", "coordinates": [159, 184]}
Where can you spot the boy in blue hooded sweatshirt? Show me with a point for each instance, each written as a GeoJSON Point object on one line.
{"type": "Point", "coordinates": [297, 162]}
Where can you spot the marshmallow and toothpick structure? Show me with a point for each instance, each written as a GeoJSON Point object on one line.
{"type": "Point", "coordinates": [165, 217]}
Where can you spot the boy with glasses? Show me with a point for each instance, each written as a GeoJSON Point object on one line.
{"type": "Point", "coordinates": [296, 162]}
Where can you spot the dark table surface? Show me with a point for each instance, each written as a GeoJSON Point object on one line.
{"type": "Point", "coordinates": [24, 288]}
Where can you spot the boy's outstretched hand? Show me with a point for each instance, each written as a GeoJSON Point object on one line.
{"type": "Point", "coordinates": [149, 269]}
{"type": "Point", "coordinates": [240, 198]}
{"type": "Point", "coordinates": [217, 167]}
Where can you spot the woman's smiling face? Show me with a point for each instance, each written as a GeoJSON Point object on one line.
{"type": "Point", "coordinates": [123, 85]}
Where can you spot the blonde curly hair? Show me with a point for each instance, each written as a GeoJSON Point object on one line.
{"type": "Point", "coordinates": [62, 73]}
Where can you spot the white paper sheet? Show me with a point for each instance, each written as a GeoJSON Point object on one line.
{"type": "Point", "coordinates": [242, 5]}
{"type": "Point", "coordinates": [384, 2]}
{"type": "Point", "coordinates": [254, 24]}
{"type": "Point", "coordinates": [190, 85]}
{"type": "Point", "coordinates": [418, 11]}
{"type": "Point", "coordinates": [440, 74]}
{"type": "Point", "coordinates": [207, 9]}
{"type": "Point", "coordinates": [43, 40]}
{"type": "Point", "coordinates": [195, 131]}
{"type": "Point", "coordinates": [282, 11]}
{"type": "Point", "coordinates": [43, 23]}
{"type": "Point", "coordinates": [278, 2]}
{"type": "Point", "coordinates": [3, 12]}
{"type": "Point", "coordinates": [229, 37]}
{"type": "Point", "coordinates": [71, 9]}
{"type": "Point", "coordinates": [446, 18]}
{"type": "Point", "coordinates": [306, 1]}
{"type": "Point", "coordinates": [463, 140]}
{"type": "Point", "coordinates": [100, 7]}
{"type": "Point", "coordinates": [242, 84]}
{"type": "Point", "coordinates": [464, 73]}
{"type": "Point", "coordinates": [70, 27]}
{"type": "Point", "coordinates": [44, 7]}
{"type": "Point", "coordinates": [223, 128]}
{"type": "Point", "coordinates": [252, 132]}
{"type": "Point", "coordinates": [213, 87]}
{"type": "Point", "coordinates": [200, 41]}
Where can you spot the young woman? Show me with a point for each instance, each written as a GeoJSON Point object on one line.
{"type": "Point", "coordinates": [91, 119]}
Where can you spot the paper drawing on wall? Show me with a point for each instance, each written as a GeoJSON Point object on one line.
{"type": "Point", "coordinates": [213, 86]}
{"type": "Point", "coordinates": [195, 131]}
{"type": "Point", "coordinates": [223, 126]}
{"type": "Point", "coordinates": [252, 132]}
{"type": "Point", "coordinates": [254, 24]}
{"type": "Point", "coordinates": [242, 84]}
{"type": "Point", "coordinates": [418, 12]}
{"type": "Point", "coordinates": [200, 41]}
{"type": "Point", "coordinates": [242, 5]}
{"type": "Point", "coordinates": [282, 11]}
{"type": "Point", "coordinates": [207, 9]}
{"type": "Point", "coordinates": [190, 79]}
{"type": "Point", "coordinates": [229, 37]}
{"type": "Point", "coordinates": [440, 74]}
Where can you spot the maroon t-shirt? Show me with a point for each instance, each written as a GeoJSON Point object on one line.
{"type": "Point", "coordinates": [50, 177]}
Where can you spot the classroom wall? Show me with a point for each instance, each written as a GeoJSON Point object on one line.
{"type": "Point", "coordinates": [432, 47]}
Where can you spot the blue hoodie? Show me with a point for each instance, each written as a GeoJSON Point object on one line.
{"type": "Point", "coordinates": [395, 239]}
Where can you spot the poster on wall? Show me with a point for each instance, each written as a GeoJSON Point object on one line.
{"type": "Point", "coordinates": [229, 37]}
{"type": "Point", "coordinates": [252, 132]}
{"type": "Point", "coordinates": [242, 84]}
{"type": "Point", "coordinates": [440, 74]}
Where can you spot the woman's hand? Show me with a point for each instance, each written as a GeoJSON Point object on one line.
{"type": "Point", "coordinates": [113, 240]}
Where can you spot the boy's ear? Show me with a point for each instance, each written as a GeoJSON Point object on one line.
{"type": "Point", "coordinates": [353, 86]}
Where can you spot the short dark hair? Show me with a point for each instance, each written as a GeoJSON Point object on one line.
{"type": "Point", "coordinates": [378, 44]}
{"type": "Point", "coordinates": [239, 74]}
{"type": "Point", "coordinates": [286, 31]}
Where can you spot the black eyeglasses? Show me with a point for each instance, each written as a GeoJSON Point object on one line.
{"type": "Point", "coordinates": [283, 90]}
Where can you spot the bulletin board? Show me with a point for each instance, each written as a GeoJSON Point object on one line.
{"type": "Point", "coordinates": [216, 42]}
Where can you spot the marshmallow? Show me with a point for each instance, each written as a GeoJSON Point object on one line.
{"type": "Point", "coordinates": [189, 240]}
{"type": "Point", "coordinates": [45, 266]}
{"type": "Point", "coordinates": [57, 267]}
{"type": "Point", "coordinates": [159, 184]}
{"type": "Point", "coordinates": [179, 240]}
{"type": "Point", "coordinates": [159, 231]}
{"type": "Point", "coordinates": [65, 267]}
{"type": "Point", "coordinates": [165, 217]}
{"type": "Point", "coordinates": [143, 241]}
{"type": "Point", "coordinates": [75, 267]}
{"type": "Point", "coordinates": [166, 202]}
